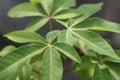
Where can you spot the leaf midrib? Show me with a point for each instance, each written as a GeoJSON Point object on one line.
{"type": "Point", "coordinates": [22, 59]}
{"type": "Point", "coordinates": [66, 54]}
{"type": "Point", "coordinates": [93, 44]}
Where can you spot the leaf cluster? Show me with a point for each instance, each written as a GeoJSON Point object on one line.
{"type": "Point", "coordinates": [41, 58]}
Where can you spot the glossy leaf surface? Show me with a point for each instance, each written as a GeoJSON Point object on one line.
{"type": "Point", "coordinates": [87, 11]}
{"type": "Point", "coordinates": [36, 24]}
{"type": "Point", "coordinates": [95, 42]}
{"type": "Point", "coordinates": [24, 10]}
{"type": "Point", "coordinates": [24, 36]}
{"type": "Point", "coordinates": [14, 61]}
{"type": "Point", "coordinates": [68, 51]}
{"type": "Point", "coordinates": [51, 65]}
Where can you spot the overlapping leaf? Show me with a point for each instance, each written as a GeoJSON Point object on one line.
{"type": "Point", "coordinates": [87, 11]}
{"type": "Point", "coordinates": [68, 51]}
{"type": "Point", "coordinates": [63, 12]}
{"type": "Point", "coordinates": [52, 35]}
{"type": "Point", "coordinates": [51, 65]}
{"type": "Point", "coordinates": [114, 69]}
{"type": "Point", "coordinates": [59, 5]}
{"type": "Point", "coordinates": [36, 24]}
{"type": "Point", "coordinates": [100, 24]}
{"type": "Point", "coordinates": [95, 43]}
{"type": "Point", "coordinates": [85, 63]}
{"type": "Point", "coordinates": [25, 72]}
{"type": "Point", "coordinates": [6, 50]}
{"type": "Point", "coordinates": [47, 5]}
{"type": "Point", "coordinates": [67, 14]}
{"type": "Point", "coordinates": [65, 37]}
{"type": "Point", "coordinates": [13, 62]}
{"type": "Point", "coordinates": [101, 74]}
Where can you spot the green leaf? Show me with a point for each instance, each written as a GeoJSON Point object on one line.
{"type": "Point", "coordinates": [101, 74]}
{"type": "Point", "coordinates": [34, 1]}
{"type": "Point", "coordinates": [25, 73]}
{"type": "Point", "coordinates": [112, 59]}
{"type": "Point", "coordinates": [62, 5]}
{"type": "Point", "coordinates": [96, 43]}
{"type": "Point", "coordinates": [85, 74]}
{"type": "Point", "coordinates": [24, 10]}
{"type": "Point", "coordinates": [65, 37]}
{"type": "Point", "coordinates": [6, 50]}
{"type": "Point", "coordinates": [64, 22]}
{"type": "Point", "coordinates": [24, 36]}
{"type": "Point", "coordinates": [100, 24]}
{"type": "Point", "coordinates": [47, 5]}
{"type": "Point", "coordinates": [36, 24]}
{"type": "Point", "coordinates": [15, 60]}
{"type": "Point", "coordinates": [85, 63]}
{"type": "Point", "coordinates": [51, 65]}
{"type": "Point", "coordinates": [67, 14]}
{"type": "Point", "coordinates": [114, 69]}
{"type": "Point", "coordinates": [87, 11]}
{"type": "Point", "coordinates": [68, 51]}
{"type": "Point", "coordinates": [52, 35]}
{"type": "Point", "coordinates": [80, 44]}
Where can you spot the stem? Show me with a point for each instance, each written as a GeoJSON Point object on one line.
{"type": "Point", "coordinates": [50, 25]}
{"type": "Point", "coordinates": [36, 71]}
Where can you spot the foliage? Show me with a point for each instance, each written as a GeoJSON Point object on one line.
{"type": "Point", "coordinates": [40, 58]}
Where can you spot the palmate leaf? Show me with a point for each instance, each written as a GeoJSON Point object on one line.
{"type": "Point", "coordinates": [51, 65]}
{"type": "Point", "coordinates": [114, 69]}
{"type": "Point", "coordinates": [101, 74]}
{"type": "Point", "coordinates": [24, 36]}
{"type": "Point", "coordinates": [68, 51]}
{"type": "Point", "coordinates": [47, 5]}
{"type": "Point", "coordinates": [65, 37]}
{"type": "Point", "coordinates": [15, 60]}
{"type": "Point", "coordinates": [96, 43]}
{"type": "Point", "coordinates": [24, 10]}
{"type": "Point", "coordinates": [52, 35]}
{"type": "Point", "coordinates": [62, 5]}
{"type": "Point", "coordinates": [87, 11]}
{"type": "Point", "coordinates": [100, 24]}
{"type": "Point", "coordinates": [36, 24]}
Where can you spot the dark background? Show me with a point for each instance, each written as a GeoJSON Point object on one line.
{"type": "Point", "coordinates": [110, 11]}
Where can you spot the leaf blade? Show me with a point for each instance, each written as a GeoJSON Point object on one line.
{"type": "Point", "coordinates": [95, 42]}
{"type": "Point", "coordinates": [114, 69]}
{"type": "Point", "coordinates": [24, 36]}
{"type": "Point", "coordinates": [68, 51]}
{"type": "Point", "coordinates": [25, 73]}
{"type": "Point", "coordinates": [36, 24]}
{"type": "Point", "coordinates": [87, 10]}
{"type": "Point", "coordinates": [101, 74]}
{"type": "Point", "coordinates": [100, 24]}
{"type": "Point", "coordinates": [24, 10]}
{"type": "Point", "coordinates": [53, 64]}
{"type": "Point", "coordinates": [47, 5]}
{"type": "Point", "coordinates": [52, 35]}
{"type": "Point", "coordinates": [18, 57]}
{"type": "Point", "coordinates": [67, 14]}
{"type": "Point", "coordinates": [65, 37]}
{"type": "Point", "coordinates": [65, 5]}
